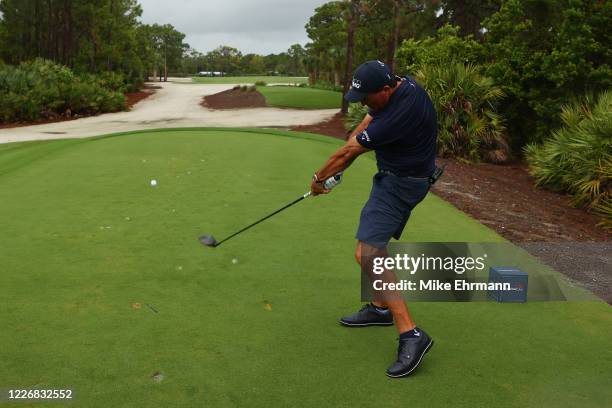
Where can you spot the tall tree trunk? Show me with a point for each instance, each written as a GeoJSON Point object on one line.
{"type": "Point", "coordinates": [350, 46]}
{"type": "Point", "coordinates": [165, 61]}
{"type": "Point", "coordinates": [318, 67]}
{"type": "Point", "coordinates": [56, 34]}
{"type": "Point", "coordinates": [37, 30]}
{"type": "Point", "coordinates": [109, 38]}
{"type": "Point", "coordinates": [465, 17]}
{"type": "Point", "coordinates": [70, 37]}
{"type": "Point", "coordinates": [65, 23]}
{"type": "Point", "coordinates": [394, 37]}
{"type": "Point", "coordinates": [49, 46]}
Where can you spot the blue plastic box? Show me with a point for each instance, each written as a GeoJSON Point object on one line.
{"type": "Point", "coordinates": [515, 277]}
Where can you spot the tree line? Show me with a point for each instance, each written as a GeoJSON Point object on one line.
{"type": "Point", "coordinates": [91, 36]}
{"type": "Point", "coordinates": [232, 61]}
{"type": "Point", "coordinates": [96, 36]}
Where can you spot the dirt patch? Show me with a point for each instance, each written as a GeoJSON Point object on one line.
{"type": "Point", "coordinates": [333, 127]}
{"type": "Point", "coordinates": [505, 198]}
{"type": "Point", "coordinates": [54, 119]}
{"type": "Point", "coordinates": [132, 98]}
{"type": "Point", "coordinates": [588, 263]}
{"type": "Point", "coordinates": [237, 98]}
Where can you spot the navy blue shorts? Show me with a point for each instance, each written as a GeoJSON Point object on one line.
{"type": "Point", "coordinates": [387, 211]}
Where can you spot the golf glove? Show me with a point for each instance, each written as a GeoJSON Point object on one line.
{"type": "Point", "coordinates": [333, 181]}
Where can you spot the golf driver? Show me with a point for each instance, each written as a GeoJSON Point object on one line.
{"type": "Point", "coordinates": [210, 241]}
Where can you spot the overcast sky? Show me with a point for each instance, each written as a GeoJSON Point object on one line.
{"type": "Point", "coordinates": [252, 26]}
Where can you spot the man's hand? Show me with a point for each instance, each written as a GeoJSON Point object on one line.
{"type": "Point", "coordinates": [317, 188]}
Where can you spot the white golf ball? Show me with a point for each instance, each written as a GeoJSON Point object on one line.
{"type": "Point", "coordinates": [153, 183]}
{"type": "Point", "coordinates": [235, 261]}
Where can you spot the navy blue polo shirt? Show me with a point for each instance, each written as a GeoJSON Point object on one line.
{"type": "Point", "coordinates": [404, 132]}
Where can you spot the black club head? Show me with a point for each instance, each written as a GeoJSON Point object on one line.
{"type": "Point", "coordinates": [208, 240]}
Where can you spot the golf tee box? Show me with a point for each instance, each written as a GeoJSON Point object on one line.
{"type": "Point", "coordinates": [517, 280]}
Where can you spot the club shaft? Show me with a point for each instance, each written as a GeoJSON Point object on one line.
{"type": "Point", "coordinates": [265, 218]}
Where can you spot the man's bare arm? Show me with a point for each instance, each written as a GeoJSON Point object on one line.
{"type": "Point", "coordinates": [341, 159]}
{"type": "Point", "coordinates": [344, 156]}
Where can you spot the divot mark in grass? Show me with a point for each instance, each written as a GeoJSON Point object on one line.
{"type": "Point", "coordinates": [136, 305]}
{"type": "Point", "coordinates": [157, 377]}
{"type": "Point", "coordinates": [267, 306]}
{"type": "Point", "coordinates": [150, 306]}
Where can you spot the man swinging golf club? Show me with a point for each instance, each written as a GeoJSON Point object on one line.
{"type": "Point", "coordinates": [401, 127]}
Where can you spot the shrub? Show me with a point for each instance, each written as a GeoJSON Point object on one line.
{"type": "Point", "coordinates": [577, 158]}
{"type": "Point", "coordinates": [468, 125]}
{"type": "Point", "coordinates": [356, 113]}
{"type": "Point", "coordinates": [260, 83]}
{"type": "Point", "coordinates": [543, 53]}
{"type": "Point", "coordinates": [446, 47]}
{"type": "Point", "coordinates": [113, 81]}
{"type": "Point", "coordinates": [41, 89]}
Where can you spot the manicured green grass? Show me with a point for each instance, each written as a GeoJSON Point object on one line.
{"type": "Point", "coordinates": [85, 236]}
{"type": "Point", "coordinates": [300, 98]}
{"type": "Point", "coordinates": [251, 80]}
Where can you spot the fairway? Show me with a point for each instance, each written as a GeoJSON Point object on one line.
{"type": "Point", "coordinates": [300, 98]}
{"type": "Point", "coordinates": [103, 284]}
{"type": "Point", "coordinates": [251, 80]}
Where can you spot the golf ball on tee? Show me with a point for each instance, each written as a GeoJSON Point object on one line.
{"type": "Point", "coordinates": [153, 183]}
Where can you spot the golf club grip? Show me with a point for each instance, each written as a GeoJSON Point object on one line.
{"type": "Point", "coordinates": [265, 218]}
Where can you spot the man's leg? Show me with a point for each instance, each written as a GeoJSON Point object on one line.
{"type": "Point", "coordinates": [398, 308]}
{"type": "Point", "coordinates": [371, 314]}
{"type": "Point", "coordinates": [413, 342]}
